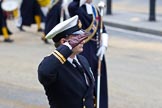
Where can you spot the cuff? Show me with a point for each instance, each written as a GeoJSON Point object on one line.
{"type": "Point", "coordinates": [68, 45]}
{"type": "Point", "coordinates": [104, 39]}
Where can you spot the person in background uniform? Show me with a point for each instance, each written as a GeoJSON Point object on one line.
{"type": "Point", "coordinates": [66, 75]}
{"type": "Point", "coordinates": [94, 48]}
{"type": "Point", "coordinates": [55, 15]}
{"type": "Point", "coordinates": [3, 26]}
{"type": "Point", "coordinates": [44, 5]}
{"type": "Point", "coordinates": [30, 13]}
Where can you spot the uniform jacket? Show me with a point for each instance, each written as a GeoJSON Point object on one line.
{"type": "Point", "coordinates": [53, 16]}
{"type": "Point", "coordinates": [62, 82]}
{"type": "Point", "coordinates": [28, 10]}
{"type": "Point", "coordinates": [91, 47]}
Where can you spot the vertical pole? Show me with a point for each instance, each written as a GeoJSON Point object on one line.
{"type": "Point", "coordinates": [152, 14]}
{"type": "Point", "coordinates": [108, 4]}
{"type": "Point", "coordinates": [101, 6]}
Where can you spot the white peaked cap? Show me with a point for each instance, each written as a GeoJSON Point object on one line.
{"type": "Point", "coordinates": [64, 29]}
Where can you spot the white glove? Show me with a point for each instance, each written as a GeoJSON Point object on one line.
{"type": "Point", "coordinates": [101, 52]}
{"type": "Point", "coordinates": [104, 45]}
{"type": "Point", "coordinates": [68, 45]}
{"type": "Point", "coordinates": [104, 39]}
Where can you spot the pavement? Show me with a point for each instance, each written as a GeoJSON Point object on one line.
{"type": "Point", "coordinates": [134, 21]}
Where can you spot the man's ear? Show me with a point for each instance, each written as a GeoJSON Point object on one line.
{"type": "Point", "coordinates": [63, 40]}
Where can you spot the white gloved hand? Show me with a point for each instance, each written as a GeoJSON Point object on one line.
{"type": "Point", "coordinates": [101, 52]}
{"type": "Point", "coordinates": [104, 45]}
{"type": "Point", "coordinates": [104, 39]}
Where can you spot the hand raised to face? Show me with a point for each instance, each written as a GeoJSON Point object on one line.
{"type": "Point", "coordinates": [77, 39]}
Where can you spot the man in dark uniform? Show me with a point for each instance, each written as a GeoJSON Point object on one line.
{"type": "Point", "coordinates": [3, 26]}
{"type": "Point", "coordinates": [65, 75]}
{"type": "Point", "coordinates": [30, 13]}
{"type": "Point", "coordinates": [97, 42]}
{"type": "Point", "coordinates": [55, 15]}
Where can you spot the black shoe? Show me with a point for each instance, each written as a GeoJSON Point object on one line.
{"type": "Point", "coordinates": [8, 40]}
{"type": "Point", "coordinates": [21, 29]}
{"type": "Point", "coordinates": [40, 30]}
{"type": "Point", "coordinates": [9, 32]}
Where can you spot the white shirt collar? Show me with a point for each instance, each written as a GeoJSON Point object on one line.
{"type": "Point", "coordinates": [71, 60]}
{"type": "Point", "coordinates": [89, 8]}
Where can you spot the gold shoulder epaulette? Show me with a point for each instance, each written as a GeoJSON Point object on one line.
{"type": "Point", "coordinates": [59, 56]}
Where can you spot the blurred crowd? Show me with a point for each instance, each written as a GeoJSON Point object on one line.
{"type": "Point", "coordinates": [25, 13]}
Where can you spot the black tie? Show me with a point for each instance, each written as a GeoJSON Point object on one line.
{"type": "Point", "coordinates": [79, 67]}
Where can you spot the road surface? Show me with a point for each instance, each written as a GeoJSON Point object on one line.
{"type": "Point", "coordinates": [133, 60]}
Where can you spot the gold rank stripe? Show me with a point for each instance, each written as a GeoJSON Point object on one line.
{"type": "Point", "coordinates": [58, 57]}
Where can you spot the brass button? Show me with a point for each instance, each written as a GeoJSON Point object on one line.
{"type": "Point", "coordinates": [94, 105]}
{"type": "Point", "coordinates": [83, 99]}
{"type": "Point", "coordinates": [84, 106]}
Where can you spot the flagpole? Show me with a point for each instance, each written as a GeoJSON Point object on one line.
{"type": "Point", "coordinates": [101, 6]}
